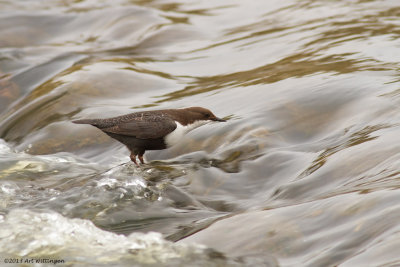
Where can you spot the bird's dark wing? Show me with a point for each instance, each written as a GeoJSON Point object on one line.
{"type": "Point", "coordinates": [144, 127]}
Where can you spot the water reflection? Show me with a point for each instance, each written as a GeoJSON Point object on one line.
{"type": "Point", "coordinates": [303, 172]}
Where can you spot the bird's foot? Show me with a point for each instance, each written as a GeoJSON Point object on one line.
{"type": "Point", "coordinates": [133, 158]}
{"type": "Point", "coordinates": [140, 157]}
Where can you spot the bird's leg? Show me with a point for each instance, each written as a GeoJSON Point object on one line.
{"type": "Point", "coordinates": [133, 158]}
{"type": "Point", "coordinates": [141, 158]}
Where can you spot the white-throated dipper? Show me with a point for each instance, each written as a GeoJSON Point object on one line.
{"type": "Point", "coordinates": [152, 130]}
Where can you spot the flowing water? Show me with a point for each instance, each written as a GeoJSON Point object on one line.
{"type": "Point", "coordinates": [306, 172]}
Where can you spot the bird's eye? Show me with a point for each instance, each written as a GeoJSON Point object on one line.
{"type": "Point", "coordinates": [207, 115]}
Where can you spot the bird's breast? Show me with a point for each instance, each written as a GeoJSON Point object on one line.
{"type": "Point", "coordinates": [176, 135]}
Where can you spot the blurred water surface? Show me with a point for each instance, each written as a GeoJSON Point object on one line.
{"type": "Point", "coordinates": [304, 173]}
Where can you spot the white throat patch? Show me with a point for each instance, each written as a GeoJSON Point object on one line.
{"type": "Point", "coordinates": [175, 136]}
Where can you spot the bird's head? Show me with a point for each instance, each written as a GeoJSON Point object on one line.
{"type": "Point", "coordinates": [201, 114]}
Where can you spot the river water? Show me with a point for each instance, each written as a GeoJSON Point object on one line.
{"type": "Point", "coordinates": [306, 172]}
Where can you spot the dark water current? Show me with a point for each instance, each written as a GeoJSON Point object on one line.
{"type": "Point", "coordinates": [306, 172]}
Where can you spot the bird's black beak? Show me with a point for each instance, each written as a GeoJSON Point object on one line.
{"type": "Point", "coordinates": [218, 119]}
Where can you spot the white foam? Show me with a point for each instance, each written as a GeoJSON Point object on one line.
{"type": "Point", "coordinates": [27, 233]}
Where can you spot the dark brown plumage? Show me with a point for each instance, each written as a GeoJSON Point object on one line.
{"type": "Point", "coordinates": [151, 130]}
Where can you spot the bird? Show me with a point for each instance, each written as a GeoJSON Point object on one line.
{"type": "Point", "coordinates": [152, 130]}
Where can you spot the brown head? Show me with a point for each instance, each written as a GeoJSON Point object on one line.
{"type": "Point", "coordinates": [191, 115]}
{"type": "Point", "coordinates": [201, 114]}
